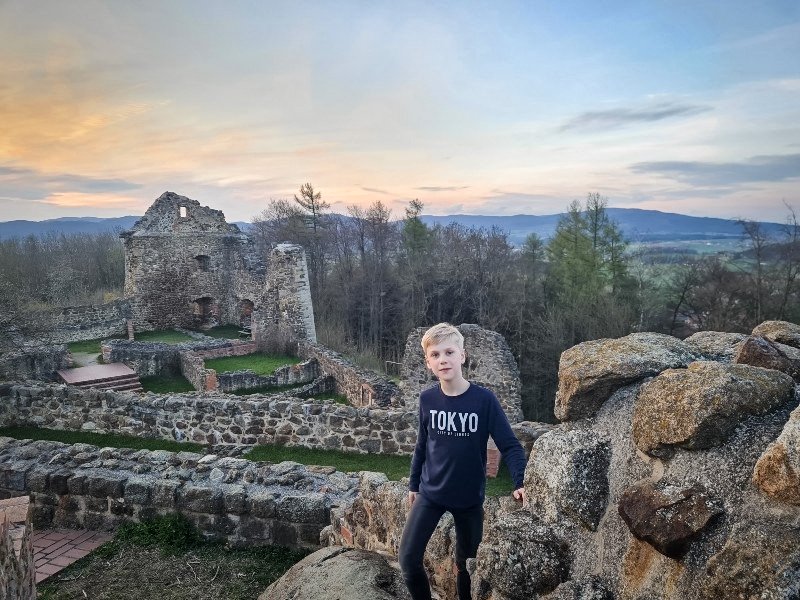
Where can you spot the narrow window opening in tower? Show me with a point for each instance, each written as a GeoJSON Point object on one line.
{"type": "Point", "coordinates": [183, 212]}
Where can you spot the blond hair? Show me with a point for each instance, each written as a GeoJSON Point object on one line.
{"type": "Point", "coordinates": [441, 332]}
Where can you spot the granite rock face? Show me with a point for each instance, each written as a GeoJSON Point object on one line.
{"type": "Point", "coordinates": [777, 472]}
{"type": "Point", "coordinates": [489, 363]}
{"type": "Point", "coordinates": [700, 406]}
{"type": "Point", "coordinates": [759, 560]}
{"type": "Point", "coordinates": [779, 331]}
{"type": "Point", "coordinates": [666, 516]}
{"type": "Point", "coordinates": [590, 372]}
{"type": "Point", "coordinates": [586, 588]}
{"type": "Point", "coordinates": [337, 573]}
{"type": "Point", "coordinates": [520, 558]}
{"type": "Point", "coordinates": [716, 345]}
{"type": "Point", "coordinates": [567, 476]}
{"type": "Point", "coordinates": [761, 352]}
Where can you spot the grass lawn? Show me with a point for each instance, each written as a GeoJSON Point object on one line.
{"type": "Point", "coordinates": [98, 439]}
{"type": "Point", "coordinates": [90, 346]}
{"type": "Point", "coordinates": [395, 467]}
{"type": "Point", "coordinates": [167, 336]}
{"type": "Point", "coordinates": [161, 384]}
{"type": "Point", "coordinates": [338, 398]}
{"type": "Point", "coordinates": [228, 332]}
{"type": "Point", "coordinates": [261, 364]}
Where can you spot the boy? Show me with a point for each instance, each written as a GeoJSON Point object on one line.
{"type": "Point", "coordinates": [448, 470]}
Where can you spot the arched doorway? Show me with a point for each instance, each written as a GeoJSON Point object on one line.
{"type": "Point", "coordinates": [205, 312]}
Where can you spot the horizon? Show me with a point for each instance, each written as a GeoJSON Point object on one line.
{"type": "Point", "coordinates": [497, 110]}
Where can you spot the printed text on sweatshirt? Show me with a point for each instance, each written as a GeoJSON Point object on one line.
{"type": "Point", "coordinates": [449, 463]}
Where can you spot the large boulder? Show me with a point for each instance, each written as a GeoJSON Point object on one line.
{"type": "Point", "coordinates": [520, 557]}
{"type": "Point", "coordinates": [585, 588]}
{"type": "Point", "coordinates": [777, 472]}
{"type": "Point", "coordinates": [667, 516]}
{"type": "Point", "coordinates": [761, 352]}
{"type": "Point", "coordinates": [759, 560]}
{"type": "Point", "coordinates": [779, 331]}
{"type": "Point", "coordinates": [590, 372]}
{"type": "Point", "coordinates": [700, 406]}
{"type": "Point", "coordinates": [338, 573]}
{"type": "Point", "coordinates": [567, 476]}
{"type": "Point", "coordinates": [716, 345]}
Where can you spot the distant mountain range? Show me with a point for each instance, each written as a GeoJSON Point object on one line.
{"type": "Point", "coordinates": [637, 225]}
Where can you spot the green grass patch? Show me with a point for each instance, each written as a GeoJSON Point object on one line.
{"type": "Point", "coordinates": [102, 440]}
{"type": "Point", "coordinates": [261, 364]}
{"type": "Point", "coordinates": [338, 398]}
{"type": "Point", "coordinates": [395, 467]}
{"type": "Point", "coordinates": [161, 384]}
{"type": "Point", "coordinates": [91, 346]}
{"type": "Point", "coordinates": [168, 336]}
{"type": "Point", "coordinates": [227, 332]}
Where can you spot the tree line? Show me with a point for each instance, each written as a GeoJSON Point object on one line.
{"type": "Point", "coordinates": [374, 278]}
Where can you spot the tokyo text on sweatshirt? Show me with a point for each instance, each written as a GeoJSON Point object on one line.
{"type": "Point", "coordinates": [449, 463]}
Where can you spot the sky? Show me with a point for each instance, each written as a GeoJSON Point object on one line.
{"type": "Point", "coordinates": [494, 108]}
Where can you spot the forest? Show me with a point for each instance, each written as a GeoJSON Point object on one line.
{"type": "Point", "coordinates": [375, 276]}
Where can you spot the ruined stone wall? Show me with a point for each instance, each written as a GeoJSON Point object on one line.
{"type": "Point", "coordinates": [489, 364]}
{"type": "Point", "coordinates": [360, 386]}
{"type": "Point", "coordinates": [17, 569]}
{"type": "Point", "coordinates": [156, 358]}
{"type": "Point", "coordinates": [207, 418]}
{"type": "Point", "coordinates": [304, 372]}
{"type": "Point", "coordinates": [172, 262]}
{"type": "Point", "coordinates": [287, 303]}
{"type": "Point", "coordinates": [236, 500]}
{"type": "Point", "coordinates": [38, 364]}
{"type": "Point", "coordinates": [76, 323]}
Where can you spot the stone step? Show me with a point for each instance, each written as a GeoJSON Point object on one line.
{"type": "Point", "coordinates": [110, 382]}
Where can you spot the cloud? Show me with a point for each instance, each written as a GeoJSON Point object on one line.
{"type": "Point", "coordinates": [374, 191]}
{"type": "Point", "coordinates": [620, 117]}
{"type": "Point", "coordinates": [756, 168]}
{"type": "Point", "coordinates": [30, 184]}
{"type": "Point", "coordinates": [434, 188]}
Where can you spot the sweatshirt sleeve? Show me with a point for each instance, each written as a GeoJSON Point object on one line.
{"type": "Point", "coordinates": [419, 453]}
{"type": "Point", "coordinates": [507, 443]}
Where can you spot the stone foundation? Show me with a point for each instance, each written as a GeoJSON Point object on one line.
{"type": "Point", "coordinates": [39, 364]}
{"type": "Point", "coordinates": [212, 419]}
{"type": "Point", "coordinates": [361, 387]}
{"type": "Point", "coordinates": [239, 501]}
{"type": "Point", "coordinates": [17, 570]}
{"type": "Point", "coordinates": [91, 322]}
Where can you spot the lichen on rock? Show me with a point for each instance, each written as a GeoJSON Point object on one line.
{"type": "Point", "coordinates": [700, 406]}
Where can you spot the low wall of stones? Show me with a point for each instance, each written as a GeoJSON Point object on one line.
{"type": "Point", "coordinates": [237, 500]}
{"type": "Point", "coordinates": [39, 364]}
{"type": "Point", "coordinates": [212, 419]}
{"type": "Point", "coordinates": [89, 322]}
{"type": "Point", "coordinates": [17, 570]}
{"type": "Point", "coordinates": [155, 358]}
{"type": "Point", "coordinates": [304, 372]}
{"type": "Point", "coordinates": [194, 370]}
{"type": "Point", "coordinates": [361, 387]}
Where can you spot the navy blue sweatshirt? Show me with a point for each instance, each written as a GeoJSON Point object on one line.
{"type": "Point", "coordinates": [449, 463]}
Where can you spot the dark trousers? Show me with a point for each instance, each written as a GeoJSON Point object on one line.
{"type": "Point", "coordinates": [421, 523]}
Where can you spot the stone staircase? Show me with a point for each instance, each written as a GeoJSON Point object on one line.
{"type": "Point", "coordinates": [114, 376]}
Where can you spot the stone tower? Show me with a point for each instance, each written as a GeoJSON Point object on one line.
{"type": "Point", "coordinates": [185, 266]}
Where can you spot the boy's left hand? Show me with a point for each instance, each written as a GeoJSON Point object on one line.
{"type": "Point", "coordinates": [521, 495]}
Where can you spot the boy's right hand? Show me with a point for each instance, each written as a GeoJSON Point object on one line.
{"type": "Point", "coordinates": [411, 497]}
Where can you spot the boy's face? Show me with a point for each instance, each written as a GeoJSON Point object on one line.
{"type": "Point", "coordinates": [445, 360]}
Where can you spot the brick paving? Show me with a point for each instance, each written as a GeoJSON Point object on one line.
{"type": "Point", "coordinates": [55, 549]}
